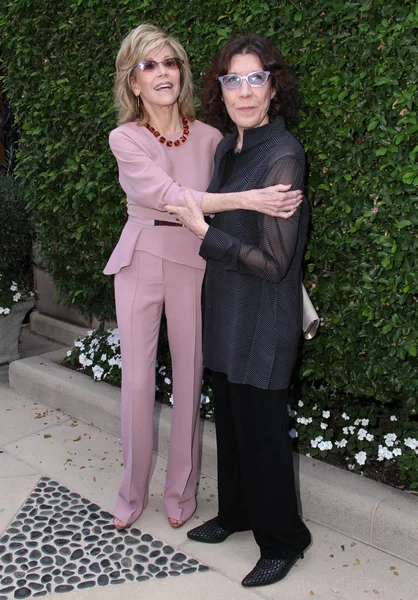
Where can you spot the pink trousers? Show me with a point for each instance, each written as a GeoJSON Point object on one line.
{"type": "Point", "coordinates": [141, 290]}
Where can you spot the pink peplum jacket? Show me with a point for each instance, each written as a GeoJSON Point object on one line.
{"type": "Point", "coordinates": [153, 175]}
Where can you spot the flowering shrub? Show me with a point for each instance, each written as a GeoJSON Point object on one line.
{"type": "Point", "coordinates": [363, 435]}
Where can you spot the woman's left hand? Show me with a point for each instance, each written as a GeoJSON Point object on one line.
{"type": "Point", "coordinates": [190, 215]}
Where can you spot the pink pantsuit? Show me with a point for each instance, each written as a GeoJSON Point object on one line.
{"type": "Point", "coordinates": [156, 266]}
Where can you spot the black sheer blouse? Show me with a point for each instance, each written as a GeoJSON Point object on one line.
{"type": "Point", "coordinates": [252, 305]}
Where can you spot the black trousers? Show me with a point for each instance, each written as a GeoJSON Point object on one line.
{"type": "Point", "coordinates": [256, 484]}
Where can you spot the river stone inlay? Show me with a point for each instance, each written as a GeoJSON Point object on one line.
{"type": "Point", "coordinates": [61, 542]}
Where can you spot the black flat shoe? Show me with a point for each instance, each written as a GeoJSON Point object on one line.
{"type": "Point", "coordinates": [209, 533]}
{"type": "Point", "coordinates": [269, 570]}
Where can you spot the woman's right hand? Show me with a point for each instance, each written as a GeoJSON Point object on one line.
{"type": "Point", "coordinates": [275, 201]}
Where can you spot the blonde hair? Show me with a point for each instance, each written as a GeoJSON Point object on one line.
{"type": "Point", "coordinates": [136, 47]}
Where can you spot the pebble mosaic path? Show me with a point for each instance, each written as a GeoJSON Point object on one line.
{"type": "Point", "coordinates": [60, 542]}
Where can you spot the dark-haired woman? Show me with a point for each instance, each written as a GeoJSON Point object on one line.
{"type": "Point", "coordinates": [253, 306]}
{"type": "Point", "coordinates": [161, 149]}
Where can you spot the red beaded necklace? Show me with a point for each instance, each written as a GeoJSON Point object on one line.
{"type": "Point", "coordinates": [169, 143]}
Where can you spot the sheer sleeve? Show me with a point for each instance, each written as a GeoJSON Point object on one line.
{"type": "Point", "coordinates": [271, 259]}
{"type": "Point", "coordinates": [142, 179]}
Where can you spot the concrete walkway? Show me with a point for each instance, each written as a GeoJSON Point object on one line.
{"type": "Point", "coordinates": [59, 477]}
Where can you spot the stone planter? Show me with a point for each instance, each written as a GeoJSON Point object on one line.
{"type": "Point", "coordinates": [10, 330]}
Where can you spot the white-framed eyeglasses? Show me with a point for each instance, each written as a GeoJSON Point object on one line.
{"type": "Point", "coordinates": [254, 79]}
{"type": "Point", "coordinates": [168, 63]}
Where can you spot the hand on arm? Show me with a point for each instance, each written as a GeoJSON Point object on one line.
{"type": "Point", "coordinates": [190, 215]}
{"type": "Point", "coordinates": [270, 259]}
{"type": "Point", "coordinates": [275, 201]}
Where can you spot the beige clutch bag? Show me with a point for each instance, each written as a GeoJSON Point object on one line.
{"type": "Point", "coordinates": [310, 318]}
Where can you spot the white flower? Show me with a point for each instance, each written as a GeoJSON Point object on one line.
{"type": "Point", "coordinates": [79, 344]}
{"type": "Point", "coordinates": [393, 418]}
{"type": "Point", "coordinates": [389, 439]}
{"type": "Point", "coordinates": [360, 457]}
{"type": "Point", "coordinates": [204, 399]}
{"type": "Point", "coordinates": [113, 338]}
{"type": "Point", "coordinates": [171, 399]}
{"type": "Point", "coordinates": [97, 372]}
{"type": "Point", "coordinates": [115, 361]}
{"type": "Point", "coordinates": [162, 369]}
{"type": "Point", "coordinates": [17, 297]}
{"type": "Point", "coordinates": [6, 311]}
{"type": "Point", "coordinates": [304, 420]}
{"type": "Point", "coordinates": [84, 361]}
{"type": "Point", "coordinates": [300, 403]}
{"type": "Point", "coordinates": [307, 454]}
{"type": "Point", "coordinates": [326, 414]}
{"type": "Point", "coordinates": [350, 429]}
{"type": "Point", "coordinates": [369, 437]}
{"type": "Point", "coordinates": [316, 441]}
{"type": "Point", "coordinates": [383, 453]}
{"type": "Point", "coordinates": [345, 416]}
{"type": "Point", "coordinates": [351, 467]}
{"type": "Point", "coordinates": [167, 380]}
{"type": "Point", "coordinates": [397, 452]}
{"type": "Point", "coordinates": [411, 443]}
{"type": "Point", "coordinates": [69, 352]}
{"type": "Point", "coordinates": [365, 422]}
{"type": "Point", "coordinates": [341, 444]}
{"type": "Point", "coordinates": [325, 445]}
{"type": "Point", "coordinates": [293, 433]}
{"type": "Point", "coordinates": [14, 287]}
{"type": "Point", "coordinates": [103, 357]}
{"type": "Point", "coordinates": [357, 422]}
{"type": "Point", "coordinates": [361, 434]}
{"type": "Point", "coordinates": [324, 425]}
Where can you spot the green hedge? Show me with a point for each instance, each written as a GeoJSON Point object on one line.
{"type": "Point", "coordinates": [358, 69]}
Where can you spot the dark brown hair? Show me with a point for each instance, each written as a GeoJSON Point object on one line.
{"type": "Point", "coordinates": [287, 100]}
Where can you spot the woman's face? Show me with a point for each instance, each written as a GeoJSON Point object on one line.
{"type": "Point", "coordinates": [247, 106]}
{"type": "Point", "coordinates": [160, 86]}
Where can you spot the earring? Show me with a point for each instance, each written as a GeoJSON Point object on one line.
{"type": "Point", "coordinates": [137, 105]}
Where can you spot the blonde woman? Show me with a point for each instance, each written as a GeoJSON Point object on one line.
{"type": "Point", "coordinates": [162, 150]}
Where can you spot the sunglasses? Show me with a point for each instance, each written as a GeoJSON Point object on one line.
{"type": "Point", "coordinates": [255, 79]}
{"type": "Point", "coordinates": [151, 65]}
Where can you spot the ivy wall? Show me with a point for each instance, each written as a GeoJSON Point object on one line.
{"type": "Point", "coordinates": [357, 64]}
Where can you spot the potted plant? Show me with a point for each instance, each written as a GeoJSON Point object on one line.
{"type": "Point", "coordinates": [16, 283]}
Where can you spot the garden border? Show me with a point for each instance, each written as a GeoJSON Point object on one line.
{"type": "Point", "coordinates": [371, 512]}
